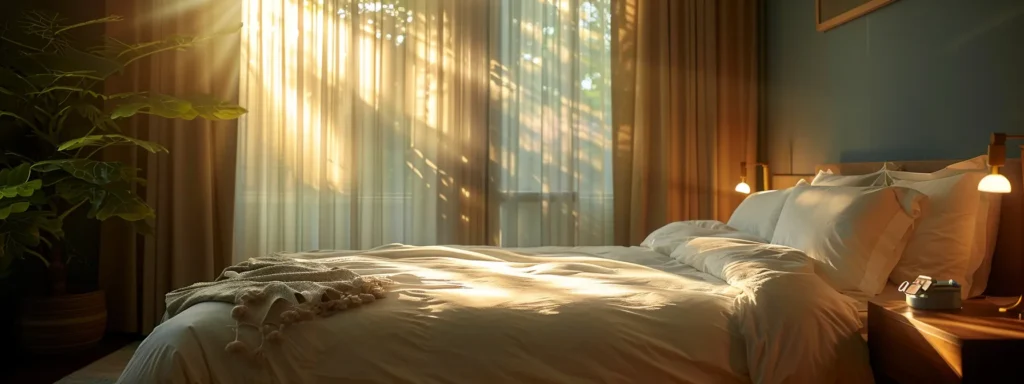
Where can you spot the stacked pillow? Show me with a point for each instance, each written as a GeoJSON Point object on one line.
{"type": "Point", "coordinates": [857, 233]}
{"type": "Point", "coordinates": [956, 235]}
{"type": "Point", "coordinates": [886, 225]}
{"type": "Point", "coordinates": [667, 238]}
{"type": "Point", "coordinates": [878, 178]}
{"type": "Point", "coordinates": [759, 213]}
{"type": "Point", "coordinates": [826, 178]}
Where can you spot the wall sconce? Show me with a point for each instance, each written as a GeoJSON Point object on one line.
{"type": "Point", "coordinates": [743, 187]}
{"type": "Point", "coordinates": [994, 182]}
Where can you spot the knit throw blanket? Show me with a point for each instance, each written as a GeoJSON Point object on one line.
{"type": "Point", "coordinates": [310, 288]}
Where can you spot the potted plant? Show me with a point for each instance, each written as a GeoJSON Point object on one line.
{"type": "Point", "coordinates": [55, 119]}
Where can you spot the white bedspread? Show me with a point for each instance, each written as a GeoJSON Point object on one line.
{"type": "Point", "coordinates": [714, 310]}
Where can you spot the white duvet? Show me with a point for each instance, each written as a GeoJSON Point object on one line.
{"type": "Point", "coordinates": [688, 309]}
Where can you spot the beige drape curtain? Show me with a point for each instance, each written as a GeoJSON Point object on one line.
{"type": "Point", "coordinates": [192, 188]}
{"type": "Point", "coordinates": [685, 96]}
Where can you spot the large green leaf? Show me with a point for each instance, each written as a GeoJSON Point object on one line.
{"type": "Point", "coordinates": [16, 182]}
{"type": "Point", "coordinates": [7, 209]}
{"type": "Point", "coordinates": [124, 204]}
{"type": "Point", "coordinates": [106, 201]}
{"type": "Point", "coordinates": [52, 224]}
{"type": "Point", "coordinates": [25, 189]}
{"type": "Point", "coordinates": [97, 117]}
{"type": "Point", "coordinates": [108, 140]}
{"type": "Point", "coordinates": [76, 191]}
{"type": "Point", "coordinates": [172, 107]}
{"type": "Point", "coordinates": [160, 105]}
{"type": "Point", "coordinates": [211, 108]}
{"type": "Point", "coordinates": [96, 172]}
{"type": "Point", "coordinates": [16, 175]}
{"type": "Point", "coordinates": [143, 227]}
{"type": "Point", "coordinates": [124, 95]}
{"type": "Point", "coordinates": [23, 229]}
{"type": "Point", "coordinates": [49, 165]}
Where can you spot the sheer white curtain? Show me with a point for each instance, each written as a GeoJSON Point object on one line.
{"type": "Point", "coordinates": [551, 122]}
{"type": "Point", "coordinates": [421, 122]}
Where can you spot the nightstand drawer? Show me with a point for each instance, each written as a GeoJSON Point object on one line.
{"type": "Point", "coordinates": [973, 345]}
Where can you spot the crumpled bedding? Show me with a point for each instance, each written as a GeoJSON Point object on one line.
{"type": "Point", "coordinates": [710, 308]}
{"type": "Point", "coordinates": [306, 290]}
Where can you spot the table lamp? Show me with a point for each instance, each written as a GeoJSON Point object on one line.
{"type": "Point", "coordinates": [995, 182]}
{"type": "Point", "coordinates": [743, 187]}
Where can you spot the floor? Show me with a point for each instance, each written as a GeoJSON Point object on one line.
{"type": "Point", "coordinates": [21, 368]}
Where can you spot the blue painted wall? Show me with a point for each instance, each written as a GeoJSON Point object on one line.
{"type": "Point", "coordinates": [914, 80]}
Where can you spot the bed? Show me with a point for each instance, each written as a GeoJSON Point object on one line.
{"type": "Point", "coordinates": [697, 302]}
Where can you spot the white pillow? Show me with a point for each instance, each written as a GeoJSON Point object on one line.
{"type": "Point", "coordinates": [828, 179]}
{"type": "Point", "coordinates": [670, 229]}
{"type": "Point", "coordinates": [943, 243]}
{"type": "Point", "coordinates": [858, 234]}
{"type": "Point", "coordinates": [759, 213]}
{"type": "Point", "coordinates": [977, 164]}
{"type": "Point", "coordinates": [665, 239]}
{"type": "Point", "coordinates": [985, 223]}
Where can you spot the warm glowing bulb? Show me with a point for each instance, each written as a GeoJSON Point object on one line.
{"type": "Point", "coordinates": [994, 183]}
{"type": "Point", "coordinates": [743, 187]}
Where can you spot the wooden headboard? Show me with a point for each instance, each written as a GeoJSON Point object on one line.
{"type": "Point", "coordinates": [783, 181]}
{"type": "Point", "coordinates": [1007, 276]}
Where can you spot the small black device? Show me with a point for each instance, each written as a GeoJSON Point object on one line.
{"type": "Point", "coordinates": [927, 293]}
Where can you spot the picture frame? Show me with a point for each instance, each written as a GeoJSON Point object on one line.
{"type": "Point", "coordinates": [829, 14]}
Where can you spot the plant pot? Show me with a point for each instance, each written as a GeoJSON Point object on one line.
{"type": "Point", "coordinates": [63, 323]}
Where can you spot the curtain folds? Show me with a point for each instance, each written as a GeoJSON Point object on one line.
{"type": "Point", "coordinates": [550, 137]}
{"type": "Point", "coordinates": [685, 98]}
{"type": "Point", "coordinates": [192, 188]}
{"type": "Point", "coordinates": [423, 122]}
{"type": "Point", "coordinates": [364, 126]}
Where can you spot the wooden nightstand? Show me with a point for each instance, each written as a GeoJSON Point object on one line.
{"type": "Point", "coordinates": [975, 344]}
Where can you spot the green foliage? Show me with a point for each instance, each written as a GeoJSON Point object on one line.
{"type": "Point", "coordinates": [55, 118]}
{"type": "Point", "coordinates": [7, 208]}
{"type": "Point", "coordinates": [105, 200]}
{"type": "Point", "coordinates": [177, 108]}
{"type": "Point", "coordinates": [16, 182]}
{"type": "Point", "coordinates": [103, 141]}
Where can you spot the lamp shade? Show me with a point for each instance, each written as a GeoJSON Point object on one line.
{"type": "Point", "coordinates": [994, 183]}
{"type": "Point", "coordinates": [744, 188]}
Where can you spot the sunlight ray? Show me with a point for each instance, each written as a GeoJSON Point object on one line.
{"type": "Point", "coordinates": [360, 109]}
